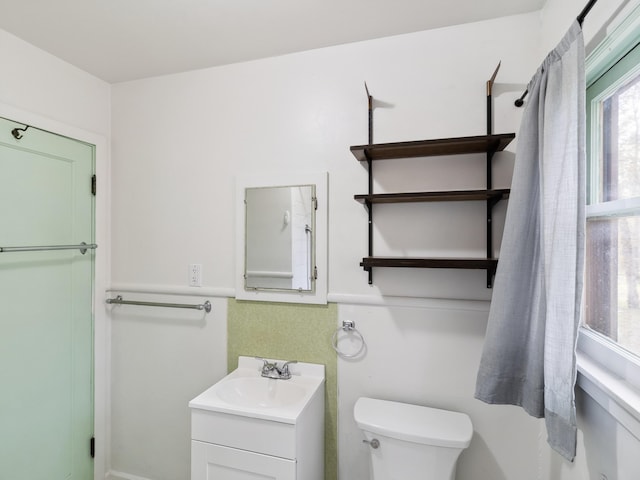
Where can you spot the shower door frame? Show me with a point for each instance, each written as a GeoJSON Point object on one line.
{"type": "Point", "coordinates": [101, 373]}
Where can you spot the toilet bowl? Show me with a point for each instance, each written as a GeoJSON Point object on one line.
{"type": "Point", "coordinates": [411, 442]}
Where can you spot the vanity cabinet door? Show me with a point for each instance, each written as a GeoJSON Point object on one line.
{"type": "Point", "coordinates": [215, 462]}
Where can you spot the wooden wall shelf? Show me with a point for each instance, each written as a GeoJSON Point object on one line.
{"type": "Point", "coordinates": [488, 144]}
{"type": "Point", "coordinates": [433, 148]}
{"type": "Point", "coordinates": [447, 196]}
{"type": "Point", "coordinates": [408, 262]}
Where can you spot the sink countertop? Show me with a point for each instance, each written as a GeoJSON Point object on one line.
{"type": "Point", "coordinates": [309, 377]}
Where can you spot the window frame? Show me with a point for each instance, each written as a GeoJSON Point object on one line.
{"type": "Point", "coordinates": [599, 206]}
{"type": "Point", "coordinates": [607, 372]}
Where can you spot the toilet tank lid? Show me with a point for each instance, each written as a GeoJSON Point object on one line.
{"type": "Point", "coordinates": [413, 423]}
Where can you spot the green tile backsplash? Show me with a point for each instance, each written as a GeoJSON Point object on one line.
{"type": "Point", "coordinates": [290, 332]}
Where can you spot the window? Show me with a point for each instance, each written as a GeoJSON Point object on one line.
{"type": "Point", "coordinates": [609, 342]}
{"type": "Point", "coordinates": [612, 288]}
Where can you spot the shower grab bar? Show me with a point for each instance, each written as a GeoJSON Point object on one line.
{"type": "Point", "coordinates": [206, 306]}
{"type": "Point", "coordinates": [83, 247]}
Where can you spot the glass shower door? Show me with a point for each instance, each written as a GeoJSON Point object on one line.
{"type": "Point", "coordinates": [46, 323]}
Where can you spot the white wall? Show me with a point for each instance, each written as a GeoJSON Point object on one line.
{"type": "Point", "coordinates": [428, 355]}
{"type": "Point", "coordinates": [179, 141]}
{"type": "Point", "coordinates": [41, 90]}
{"type": "Point", "coordinates": [605, 447]}
{"type": "Point", "coordinates": [557, 16]}
{"type": "Point", "coordinates": [161, 359]}
{"type": "Point", "coordinates": [39, 83]}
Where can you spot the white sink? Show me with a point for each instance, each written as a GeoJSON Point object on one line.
{"type": "Point", "coordinates": [245, 392]}
{"type": "Point", "coordinates": [260, 392]}
{"type": "Point", "coordinates": [249, 426]}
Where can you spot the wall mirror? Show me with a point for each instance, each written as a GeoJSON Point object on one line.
{"type": "Point", "coordinates": [279, 238]}
{"type": "Point", "coordinates": [282, 227]}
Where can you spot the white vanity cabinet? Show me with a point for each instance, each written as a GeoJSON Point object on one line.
{"type": "Point", "coordinates": [259, 438]}
{"type": "Point", "coordinates": [215, 462]}
{"type": "Point", "coordinates": [231, 447]}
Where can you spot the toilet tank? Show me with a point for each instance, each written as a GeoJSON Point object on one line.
{"type": "Point", "coordinates": [414, 423]}
{"type": "Point", "coordinates": [414, 442]}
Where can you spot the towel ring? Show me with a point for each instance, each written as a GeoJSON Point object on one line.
{"type": "Point", "coordinates": [349, 327]}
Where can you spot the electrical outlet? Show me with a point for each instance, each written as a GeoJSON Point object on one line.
{"type": "Point", "coordinates": [195, 275]}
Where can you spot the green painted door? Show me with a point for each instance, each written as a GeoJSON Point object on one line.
{"type": "Point", "coordinates": [46, 322]}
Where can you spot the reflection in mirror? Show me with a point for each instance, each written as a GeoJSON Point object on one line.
{"type": "Point", "coordinates": [279, 238]}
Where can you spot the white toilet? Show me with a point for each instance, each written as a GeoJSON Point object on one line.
{"type": "Point", "coordinates": [411, 442]}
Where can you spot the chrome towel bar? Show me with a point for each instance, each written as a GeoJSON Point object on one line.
{"type": "Point", "coordinates": [83, 247]}
{"type": "Point", "coordinates": [206, 306]}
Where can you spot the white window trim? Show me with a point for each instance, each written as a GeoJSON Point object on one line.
{"type": "Point", "coordinates": [606, 372]}
{"type": "Point", "coordinates": [611, 376]}
{"type": "Point", "coordinates": [615, 208]}
{"type": "Point", "coordinates": [609, 50]}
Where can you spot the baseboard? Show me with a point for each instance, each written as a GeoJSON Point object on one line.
{"type": "Point", "coordinates": [113, 475]}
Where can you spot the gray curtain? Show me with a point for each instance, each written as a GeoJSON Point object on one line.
{"type": "Point", "coordinates": [529, 352]}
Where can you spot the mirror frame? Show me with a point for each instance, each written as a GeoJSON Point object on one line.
{"type": "Point", "coordinates": [319, 293]}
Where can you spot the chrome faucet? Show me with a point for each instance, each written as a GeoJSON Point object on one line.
{"type": "Point", "coordinates": [271, 369]}
{"type": "Point", "coordinates": [285, 374]}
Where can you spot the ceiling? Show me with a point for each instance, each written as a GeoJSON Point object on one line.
{"type": "Point", "coordinates": [120, 40]}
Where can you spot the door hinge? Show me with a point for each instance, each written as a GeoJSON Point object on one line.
{"type": "Point", "coordinates": [92, 447]}
{"type": "Point", "coordinates": [315, 203]}
{"type": "Point", "coordinates": [315, 272]}
{"type": "Point", "coordinates": [93, 185]}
